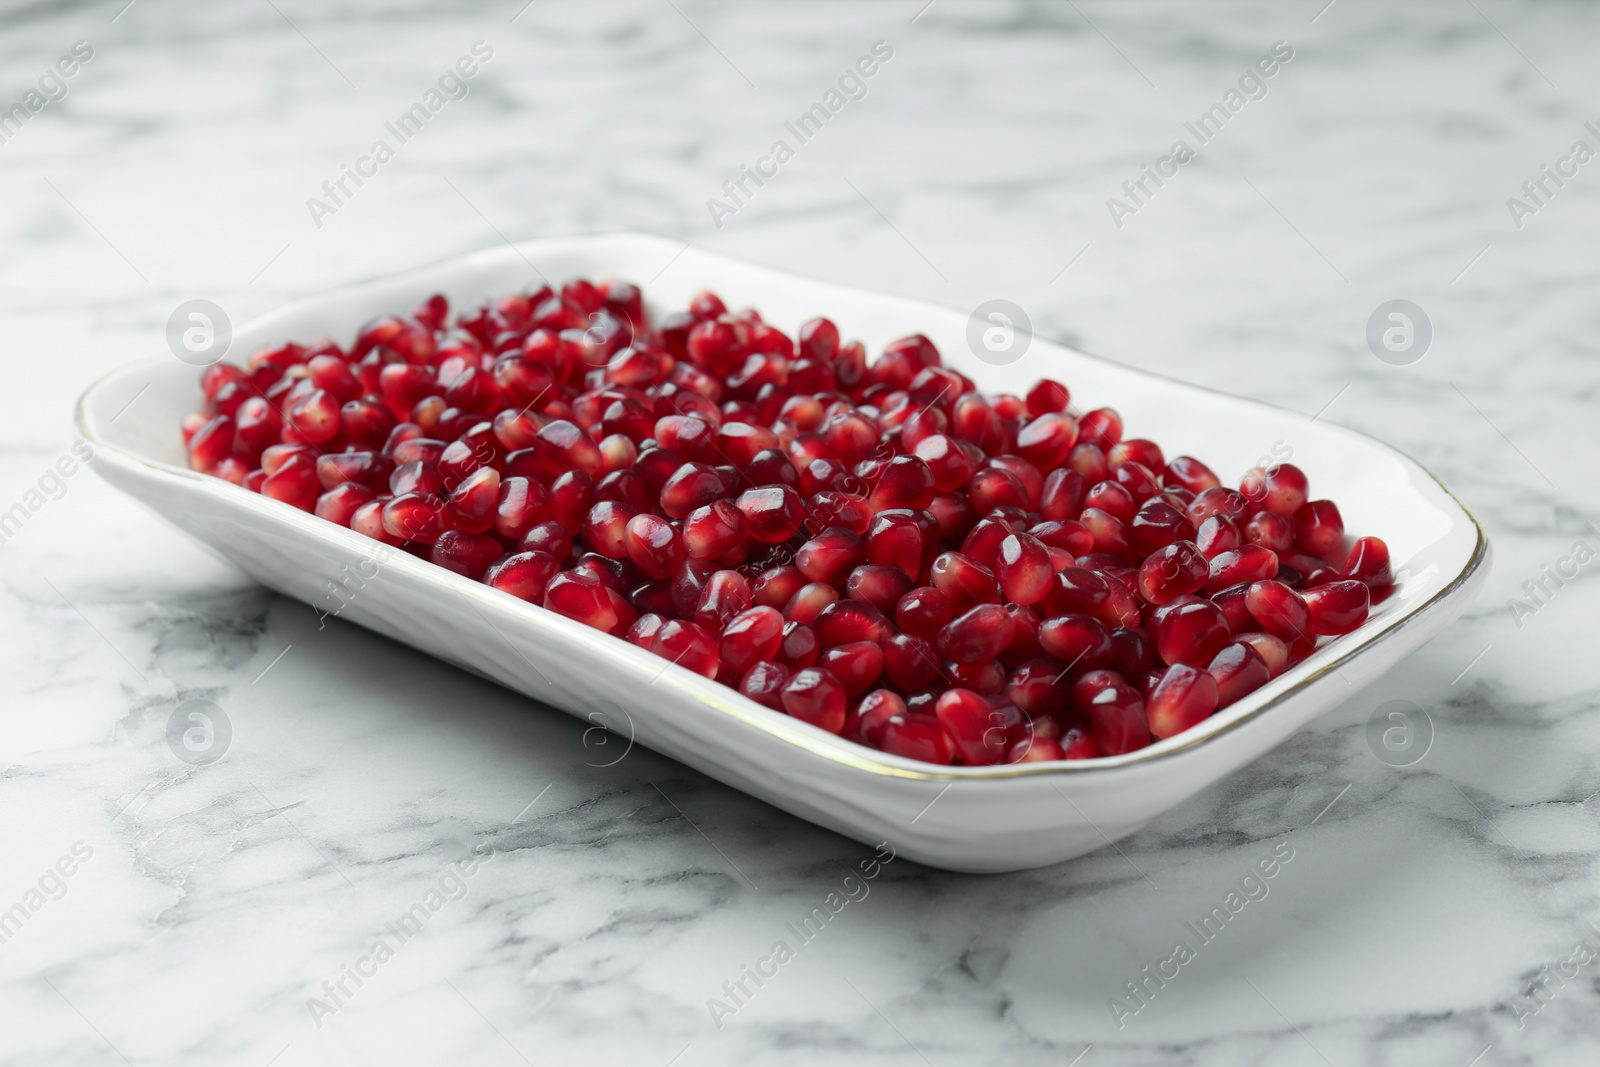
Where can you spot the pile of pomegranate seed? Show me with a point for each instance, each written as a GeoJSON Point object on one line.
{"type": "Point", "coordinates": [876, 549]}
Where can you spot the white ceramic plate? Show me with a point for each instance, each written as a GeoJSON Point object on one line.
{"type": "Point", "coordinates": [961, 818]}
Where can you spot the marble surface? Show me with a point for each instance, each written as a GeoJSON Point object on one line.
{"type": "Point", "coordinates": [588, 914]}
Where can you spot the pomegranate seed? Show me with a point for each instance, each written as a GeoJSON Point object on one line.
{"type": "Point", "coordinates": [687, 645]}
{"type": "Point", "coordinates": [468, 554]}
{"type": "Point", "coordinates": [1273, 652]}
{"type": "Point", "coordinates": [1318, 529]}
{"type": "Point", "coordinates": [975, 727]}
{"type": "Point", "coordinates": [750, 637]}
{"type": "Point", "coordinates": [1252, 563]}
{"type": "Point", "coordinates": [799, 648]}
{"type": "Point", "coordinates": [1238, 670]}
{"type": "Point", "coordinates": [1170, 572]}
{"type": "Point", "coordinates": [1191, 633]}
{"type": "Point", "coordinates": [831, 555]}
{"type": "Point", "coordinates": [815, 696]}
{"type": "Point", "coordinates": [857, 665]}
{"type": "Point", "coordinates": [851, 620]}
{"type": "Point", "coordinates": [775, 586]}
{"type": "Point", "coordinates": [918, 736]}
{"type": "Point", "coordinates": [1079, 641]}
{"type": "Point", "coordinates": [1115, 711]}
{"type": "Point", "coordinates": [773, 512]}
{"type": "Point", "coordinates": [1369, 564]}
{"type": "Point", "coordinates": [340, 504]}
{"type": "Point", "coordinates": [654, 545]}
{"type": "Point", "coordinates": [1100, 428]}
{"type": "Point", "coordinates": [1280, 489]}
{"type": "Point", "coordinates": [524, 575]}
{"type": "Point", "coordinates": [966, 582]}
{"type": "Point", "coordinates": [725, 595]}
{"type": "Point", "coordinates": [1338, 607]}
{"type": "Point", "coordinates": [923, 612]}
{"type": "Point", "coordinates": [1023, 568]}
{"type": "Point", "coordinates": [976, 636]}
{"type": "Point", "coordinates": [1217, 535]}
{"type": "Point", "coordinates": [582, 597]}
{"type": "Point", "coordinates": [1186, 695]}
{"type": "Point", "coordinates": [764, 683]}
{"type": "Point", "coordinates": [1189, 473]}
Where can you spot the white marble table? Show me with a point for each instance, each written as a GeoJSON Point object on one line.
{"type": "Point", "coordinates": [215, 901]}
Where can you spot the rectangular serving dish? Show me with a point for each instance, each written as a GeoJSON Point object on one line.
{"type": "Point", "coordinates": [959, 818]}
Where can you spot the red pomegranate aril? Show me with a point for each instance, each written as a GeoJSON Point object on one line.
{"type": "Point", "coordinates": [846, 621]}
{"type": "Point", "coordinates": [687, 645]}
{"type": "Point", "coordinates": [339, 505]}
{"type": "Point", "coordinates": [1190, 473]}
{"type": "Point", "coordinates": [764, 683]}
{"type": "Point", "coordinates": [1217, 535]}
{"type": "Point", "coordinates": [1192, 633]}
{"type": "Point", "coordinates": [1157, 525]}
{"type": "Point", "coordinates": [1369, 564]}
{"type": "Point", "coordinates": [606, 528]}
{"type": "Point", "coordinates": [831, 555]}
{"type": "Point", "coordinates": [969, 721]}
{"type": "Point", "coordinates": [773, 512]}
{"type": "Point", "coordinates": [815, 696]}
{"type": "Point", "coordinates": [211, 444]}
{"type": "Point", "coordinates": [1251, 563]}
{"type": "Point", "coordinates": [522, 504]}
{"type": "Point", "coordinates": [808, 601]}
{"type": "Point", "coordinates": [1023, 569]}
{"type": "Point", "coordinates": [1046, 441]}
{"type": "Point", "coordinates": [295, 482]}
{"type": "Point", "coordinates": [549, 536]}
{"type": "Point", "coordinates": [799, 648]}
{"type": "Point", "coordinates": [1280, 489]}
{"type": "Point", "coordinates": [857, 665]}
{"type": "Point", "coordinates": [1081, 642]}
{"type": "Point", "coordinates": [1338, 607]}
{"type": "Point", "coordinates": [1061, 498]}
{"type": "Point", "coordinates": [524, 575]}
{"type": "Point", "coordinates": [750, 637]}
{"type": "Point", "coordinates": [774, 587]}
{"type": "Point", "coordinates": [654, 545]}
{"type": "Point", "coordinates": [1110, 535]}
{"type": "Point", "coordinates": [880, 586]}
{"type": "Point", "coordinates": [1273, 652]}
{"type": "Point", "coordinates": [1185, 696]}
{"type": "Point", "coordinates": [1170, 572]}
{"type": "Point", "coordinates": [1039, 686]}
{"type": "Point", "coordinates": [1217, 501]}
{"type": "Point", "coordinates": [582, 597]}
{"type": "Point", "coordinates": [923, 612]}
{"type": "Point", "coordinates": [966, 582]}
{"type": "Point", "coordinates": [916, 735]}
{"type": "Point", "coordinates": [468, 554]}
{"type": "Point", "coordinates": [1278, 610]}
{"type": "Point", "coordinates": [316, 416]}
{"type": "Point", "coordinates": [1101, 428]}
{"type": "Point", "coordinates": [1269, 530]}
{"type": "Point", "coordinates": [1238, 670]}
{"type": "Point", "coordinates": [725, 595]}
{"type": "Point", "coordinates": [1319, 529]}
{"type": "Point", "coordinates": [1115, 711]}
{"type": "Point", "coordinates": [714, 530]}
{"type": "Point", "coordinates": [977, 635]}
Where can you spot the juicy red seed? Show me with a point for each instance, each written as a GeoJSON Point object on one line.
{"type": "Point", "coordinates": [1023, 568]}
{"type": "Point", "coordinates": [1186, 695]}
{"type": "Point", "coordinates": [916, 735]}
{"type": "Point", "coordinates": [606, 528]}
{"type": "Point", "coordinates": [851, 620]}
{"type": "Point", "coordinates": [1218, 501]}
{"type": "Point", "coordinates": [1238, 670]}
{"type": "Point", "coordinates": [1338, 607]}
{"type": "Point", "coordinates": [1369, 564]}
{"type": "Point", "coordinates": [815, 696]}
{"type": "Point", "coordinates": [1269, 530]}
{"type": "Point", "coordinates": [687, 645]}
{"type": "Point", "coordinates": [966, 582]}
{"type": "Point", "coordinates": [1115, 711]}
{"type": "Point", "coordinates": [1280, 489]}
{"type": "Point", "coordinates": [1081, 642]}
{"type": "Point", "coordinates": [1047, 396]}
{"type": "Point", "coordinates": [524, 575]}
{"type": "Point", "coordinates": [857, 665]}
{"type": "Point", "coordinates": [751, 636]}
{"type": "Point", "coordinates": [340, 504]}
{"type": "Point", "coordinates": [1040, 686]}
{"type": "Point", "coordinates": [808, 601]}
{"type": "Point", "coordinates": [880, 586]}
{"type": "Point", "coordinates": [466, 553]}
{"type": "Point", "coordinates": [923, 612]}
{"type": "Point", "coordinates": [906, 482]}
{"type": "Point", "coordinates": [910, 662]}
{"type": "Point", "coordinates": [774, 587]}
{"type": "Point", "coordinates": [1279, 610]}
{"type": "Point", "coordinates": [581, 597]}
{"type": "Point", "coordinates": [1318, 528]}
{"type": "Point", "coordinates": [1190, 473]}
{"type": "Point", "coordinates": [1252, 563]}
{"type": "Point", "coordinates": [1170, 572]}
{"type": "Point", "coordinates": [1046, 440]}
{"type": "Point", "coordinates": [316, 416]}
{"type": "Point", "coordinates": [976, 727]}
{"type": "Point", "coordinates": [1217, 535]}
{"type": "Point", "coordinates": [1192, 633]}
{"type": "Point", "coordinates": [1273, 652]}
{"type": "Point", "coordinates": [1101, 428]}
{"type": "Point", "coordinates": [831, 555]}
{"type": "Point", "coordinates": [774, 512]}
{"type": "Point", "coordinates": [654, 545]}
{"type": "Point", "coordinates": [764, 684]}
{"type": "Point", "coordinates": [726, 594]}
{"type": "Point", "coordinates": [799, 647]}
{"type": "Point", "coordinates": [978, 635]}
